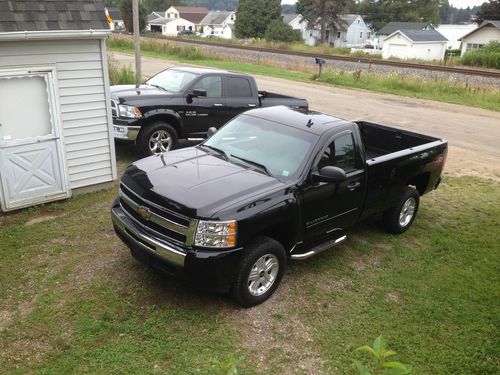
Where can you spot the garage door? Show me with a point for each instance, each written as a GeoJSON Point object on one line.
{"type": "Point", "coordinates": [31, 154]}
{"type": "Point", "coordinates": [398, 50]}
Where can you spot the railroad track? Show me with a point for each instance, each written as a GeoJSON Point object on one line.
{"type": "Point", "coordinates": [363, 60]}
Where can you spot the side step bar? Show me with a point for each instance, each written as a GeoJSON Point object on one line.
{"type": "Point", "coordinates": [319, 248]}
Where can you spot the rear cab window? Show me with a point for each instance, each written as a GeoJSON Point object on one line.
{"type": "Point", "coordinates": [238, 87]}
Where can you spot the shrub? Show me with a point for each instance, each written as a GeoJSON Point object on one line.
{"type": "Point", "coordinates": [120, 75]}
{"type": "Point", "coordinates": [487, 56]}
{"type": "Point", "coordinates": [277, 30]}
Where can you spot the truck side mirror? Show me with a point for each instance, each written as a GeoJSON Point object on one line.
{"type": "Point", "coordinates": [199, 92]}
{"type": "Point", "coordinates": [329, 174]}
{"type": "Point", "coordinates": [211, 131]}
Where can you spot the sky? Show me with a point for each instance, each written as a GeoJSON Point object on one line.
{"type": "Point", "coordinates": [455, 3]}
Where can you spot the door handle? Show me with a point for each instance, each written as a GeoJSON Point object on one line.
{"type": "Point", "coordinates": [353, 185]}
{"type": "Point", "coordinates": [252, 105]}
{"type": "Point", "coordinates": [218, 105]}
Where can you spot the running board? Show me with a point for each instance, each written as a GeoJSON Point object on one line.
{"type": "Point", "coordinates": [319, 248]}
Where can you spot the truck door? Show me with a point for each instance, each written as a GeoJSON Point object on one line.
{"type": "Point", "coordinates": [239, 95]}
{"type": "Point", "coordinates": [205, 112]}
{"type": "Point", "coordinates": [328, 207]}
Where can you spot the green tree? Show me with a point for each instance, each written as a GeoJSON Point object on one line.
{"type": "Point", "coordinates": [253, 17]}
{"type": "Point", "coordinates": [323, 13]}
{"type": "Point", "coordinates": [279, 31]}
{"type": "Point", "coordinates": [488, 11]}
{"type": "Point", "coordinates": [126, 10]}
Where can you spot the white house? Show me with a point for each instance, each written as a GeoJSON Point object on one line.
{"type": "Point", "coordinates": [192, 14]}
{"type": "Point", "coordinates": [55, 112]}
{"type": "Point", "coordinates": [171, 26]}
{"type": "Point", "coordinates": [391, 27]}
{"type": "Point", "coordinates": [350, 31]}
{"type": "Point", "coordinates": [488, 31]}
{"type": "Point", "coordinates": [454, 32]}
{"type": "Point", "coordinates": [219, 23]}
{"type": "Point", "coordinates": [415, 44]}
{"type": "Point", "coordinates": [115, 19]}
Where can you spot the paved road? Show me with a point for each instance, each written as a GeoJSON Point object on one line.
{"type": "Point", "coordinates": [473, 133]}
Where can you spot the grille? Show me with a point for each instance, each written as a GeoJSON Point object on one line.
{"type": "Point", "coordinates": [158, 220]}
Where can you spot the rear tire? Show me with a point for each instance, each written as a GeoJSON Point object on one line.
{"type": "Point", "coordinates": [260, 273]}
{"type": "Point", "coordinates": [156, 138]}
{"type": "Point", "coordinates": [400, 217]}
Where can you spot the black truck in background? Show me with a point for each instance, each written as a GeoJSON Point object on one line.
{"type": "Point", "coordinates": [272, 184]}
{"type": "Point", "coordinates": [184, 102]}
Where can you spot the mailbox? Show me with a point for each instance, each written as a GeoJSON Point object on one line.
{"type": "Point", "coordinates": [319, 60]}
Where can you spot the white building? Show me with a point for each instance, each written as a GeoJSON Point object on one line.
{"type": "Point", "coordinates": [454, 32]}
{"type": "Point", "coordinates": [488, 31]}
{"type": "Point", "coordinates": [350, 31]}
{"type": "Point", "coordinates": [219, 24]}
{"type": "Point", "coordinates": [415, 44]}
{"type": "Point", "coordinates": [391, 27]}
{"type": "Point", "coordinates": [171, 26]}
{"type": "Point", "coordinates": [55, 135]}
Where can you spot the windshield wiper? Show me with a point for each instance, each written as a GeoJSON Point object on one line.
{"type": "Point", "coordinates": [218, 150]}
{"type": "Point", "coordinates": [158, 87]}
{"type": "Point", "coordinates": [260, 166]}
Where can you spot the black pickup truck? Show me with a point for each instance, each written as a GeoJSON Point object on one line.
{"type": "Point", "coordinates": [272, 184]}
{"type": "Point", "coordinates": [183, 103]}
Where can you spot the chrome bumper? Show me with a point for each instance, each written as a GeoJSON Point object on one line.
{"type": "Point", "coordinates": [138, 237]}
{"type": "Point", "coordinates": [126, 133]}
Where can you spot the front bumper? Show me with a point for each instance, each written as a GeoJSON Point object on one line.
{"type": "Point", "coordinates": [210, 270]}
{"type": "Point", "coordinates": [125, 132]}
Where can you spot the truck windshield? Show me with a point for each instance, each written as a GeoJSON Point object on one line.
{"type": "Point", "coordinates": [172, 80]}
{"type": "Point", "coordinates": [273, 148]}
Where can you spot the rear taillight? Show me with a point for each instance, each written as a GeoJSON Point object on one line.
{"type": "Point", "coordinates": [440, 159]}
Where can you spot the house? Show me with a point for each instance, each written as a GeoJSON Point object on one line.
{"type": "Point", "coordinates": [350, 31]}
{"type": "Point", "coordinates": [171, 26]}
{"type": "Point", "coordinates": [219, 23]}
{"type": "Point", "coordinates": [488, 31]}
{"type": "Point", "coordinates": [56, 136]}
{"type": "Point", "coordinates": [115, 19]}
{"type": "Point", "coordinates": [391, 27]}
{"type": "Point", "coordinates": [415, 44]}
{"type": "Point", "coordinates": [454, 32]}
{"type": "Point", "coordinates": [191, 14]}
{"type": "Point", "coordinates": [151, 17]}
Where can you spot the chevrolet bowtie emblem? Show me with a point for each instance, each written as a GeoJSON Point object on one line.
{"type": "Point", "coordinates": [144, 212]}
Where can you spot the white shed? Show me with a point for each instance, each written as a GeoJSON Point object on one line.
{"type": "Point", "coordinates": [55, 114]}
{"type": "Point", "coordinates": [415, 44]}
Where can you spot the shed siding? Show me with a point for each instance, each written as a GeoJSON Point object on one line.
{"type": "Point", "coordinates": [82, 99]}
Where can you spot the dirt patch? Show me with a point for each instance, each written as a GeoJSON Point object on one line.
{"type": "Point", "coordinates": [41, 218]}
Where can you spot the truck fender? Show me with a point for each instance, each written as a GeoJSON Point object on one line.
{"type": "Point", "coordinates": [161, 112]}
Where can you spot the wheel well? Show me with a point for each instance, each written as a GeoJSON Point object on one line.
{"type": "Point", "coordinates": [420, 182]}
{"type": "Point", "coordinates": [281, 233]}
{"type": "Point", "coordinates": [169, 119]}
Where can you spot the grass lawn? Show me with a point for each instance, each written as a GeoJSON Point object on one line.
{"type": "Point", "coordinates": [440, 90]}
{"type": "Point", "coordinates": [74, 301]}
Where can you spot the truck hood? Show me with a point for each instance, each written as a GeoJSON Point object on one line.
{"type": "Point", "coordinates": [196, 183]}
{"type": "Point", "coordinates": [127, 93]}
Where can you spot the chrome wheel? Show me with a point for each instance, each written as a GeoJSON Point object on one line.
{"type": "Point", "coordinates": [160, 141]}
{"type": "Point", "coordinates": [407, 212]}
{"type": "Point", "coordinates": [263, 274]}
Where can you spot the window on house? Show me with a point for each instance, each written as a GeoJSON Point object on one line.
{"type": "Point", "coordinates": [361, 34]}
{"type": "Point", "coordinates": [338, 34]}
{"type": "Point", "coordinates": [473, 46]}
{"type": "Point", "coordinates": [310, 33]}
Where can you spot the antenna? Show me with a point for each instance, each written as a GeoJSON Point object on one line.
{"type": "Point", "coordinates": [309, 123]}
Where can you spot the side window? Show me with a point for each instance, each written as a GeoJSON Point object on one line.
{"type": "Point", "coordinates": [237, 87]}
{"type": "Point", "coordinates": [212, 84]}
{"type": "Point", "coordinates": [340, 153]}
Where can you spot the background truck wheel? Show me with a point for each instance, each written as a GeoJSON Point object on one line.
{"type": "Point", "coordinates": [156, 138]}
{"type": "Point", "coordinates": [260, 272]}
{"type": "Point", "coordinates": [399, 218]}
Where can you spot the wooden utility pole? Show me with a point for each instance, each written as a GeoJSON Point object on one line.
{"type": "Point", "coordinates": [137, 42]}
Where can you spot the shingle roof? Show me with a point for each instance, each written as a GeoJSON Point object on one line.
{"type": "Point", "coordinates": [483, 24]}
{"type": "Point", "coordinates": [289, 17]}
{"type": "Point", "coordinates": [193, 14]}
{"type": "Point", "coordinates": [162, 21]}
{"type": "Point", "coordinates": [393, 26]}
{"type": "Point", "coordinates": [215, 17]}
{"type": "Point", "coordinates": [424, 35]}
{"type": "Point", "coordinates": [191, 9]}
{"type": "Point", "coordinates": [53, 15]}
{"type": "Point", "coordinates": [348, 19]}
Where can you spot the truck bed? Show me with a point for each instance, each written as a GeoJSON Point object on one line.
{"type": "Point", "coordinates": [380, 140]}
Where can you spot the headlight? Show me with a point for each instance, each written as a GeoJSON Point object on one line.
{"type": "Point", "coordinates": [129, 111]}
{"type": "Point", "coordinates": [216, 234]}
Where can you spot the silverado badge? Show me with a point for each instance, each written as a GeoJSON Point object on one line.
{"type": "Point", "coordinates": [144, 212]}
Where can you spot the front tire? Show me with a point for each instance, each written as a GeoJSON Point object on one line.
{"type": "Point", "coordinates": [156, 138]}
{"type": "Point", "coordinates": [400, 217]}
{"type": "Point", "coordinates": [260, 273]}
